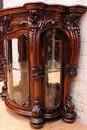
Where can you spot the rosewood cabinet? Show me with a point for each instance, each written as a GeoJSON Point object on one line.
{"type": "Point", "coordinates": [42, 45]}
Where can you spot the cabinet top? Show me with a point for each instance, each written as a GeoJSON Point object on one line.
{"type": "Point", "coordinates": [43, 6]}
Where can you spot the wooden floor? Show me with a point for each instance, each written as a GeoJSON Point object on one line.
{"type": "Point", "coordinates": [13, 121]}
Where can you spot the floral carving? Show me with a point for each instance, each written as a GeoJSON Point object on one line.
{"type": "Point", "coordinates": [36, 73]}
{"type": "Point", "coordinates": [72, 72]}
{"type": "Point", "coordinates": [71, 22]}
{"type": "Point", "coordinates": [36, 18]}
{"type": "Point", "coordinates": [4, 24]}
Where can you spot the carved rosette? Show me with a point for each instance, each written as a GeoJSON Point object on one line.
{"type": "Point", "coordinates": [36, 73]}
{"type": "Point", "coordinates": [72, 72]}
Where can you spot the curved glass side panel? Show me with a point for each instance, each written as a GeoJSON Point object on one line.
{"type": "Point", "coordinates": [18, 81]}
{"type": "Point", "coordinates": [53, 39]}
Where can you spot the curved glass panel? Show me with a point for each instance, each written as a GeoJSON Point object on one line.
{"type": "Point", "coordinates": [53, 39]}
{"type": "Point", "coordinates": [18, 79]}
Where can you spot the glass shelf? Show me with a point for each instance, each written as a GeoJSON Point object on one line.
{"type": "Point", "coordinates": [50, 69]}
{"type": "Point", "coordinates": [19, 66]}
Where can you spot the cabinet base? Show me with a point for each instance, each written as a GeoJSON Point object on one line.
{"type": "Point", "coordinates": [37, 122]}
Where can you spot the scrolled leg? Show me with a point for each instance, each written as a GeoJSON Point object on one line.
{"type": "Point", "coordinates": [36, 119]}
{"type": "Point", "coordinates": [68, 113]}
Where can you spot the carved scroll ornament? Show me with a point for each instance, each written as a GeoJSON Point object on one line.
{"type": "Point", "coordinates": [4, 23]}
{"type": "Point", "coordinates": [36, 111]}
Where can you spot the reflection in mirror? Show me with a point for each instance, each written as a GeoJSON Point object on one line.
{"type": "Point", "coordinates": [18, 82]}
{"type": "Point", "coordinates": [53, 45]}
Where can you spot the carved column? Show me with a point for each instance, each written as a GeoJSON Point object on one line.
{"type": "Point", "coordinates": [70, 69]}
{"type": "Point", "coordinates": [36, 119]}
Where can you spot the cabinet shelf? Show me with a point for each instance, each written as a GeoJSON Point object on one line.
{"type": "Point", "coordinates": [19, 66]}
{"type": "Point", "coordinates": [50, 69]}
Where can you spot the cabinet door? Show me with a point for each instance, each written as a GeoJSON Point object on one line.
{"type": "Point", "coordinates": [17, 70]}
{"type": "Point", "coordinates": [52, 64]}
{"type": "Point", "coordinates": [52, 73]}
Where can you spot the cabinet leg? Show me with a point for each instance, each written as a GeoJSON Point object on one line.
{"type": "Point", "coordinates": [36, 119]}
{"type": "Point", "coordinates": [68, 113]}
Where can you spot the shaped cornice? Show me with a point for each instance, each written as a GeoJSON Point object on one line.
{"type": "Point", "coordinates": [38, 15]}
{"type": "Point", "coordinates": [43, 6]}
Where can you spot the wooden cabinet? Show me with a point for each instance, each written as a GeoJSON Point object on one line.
{"type": "Point", "coordinates": [42, 48]}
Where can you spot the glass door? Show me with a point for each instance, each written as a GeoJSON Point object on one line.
{"type": "Point", "coordinates": [17, 70]}
{"type": "Point", "coordinates": [52, 75]}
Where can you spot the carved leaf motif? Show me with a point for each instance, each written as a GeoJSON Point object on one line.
{"type": "Point", "coordinates": [73, 72]}
{"type": "Point", "coordinates": [33, 18]}
{"type": "Point", "coordinates": [4, 23]}
{"type": "Point", "coordinates": [71, 21]}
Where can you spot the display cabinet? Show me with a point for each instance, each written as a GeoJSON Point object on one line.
{"type": "Point", "coordinates": [42, 44]}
